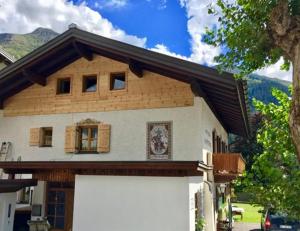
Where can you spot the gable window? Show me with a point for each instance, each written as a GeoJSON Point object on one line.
{"type": "Point", "coordinates": [89, 83]}
{"type": "Point", "coordinates": [117, 81]}
{"type": "Point", "coordinates": [63, 86]}
{"type": "Point", "coordinates": [88, 137]}
{"type": "Point", "coordinates": [46, 137]}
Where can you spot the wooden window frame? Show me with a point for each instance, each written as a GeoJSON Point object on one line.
{"type": "Point", "coordinates": [43, 137]}
{"type": "Point", "coordinates": [89, 139]}
{"type": "Point", "coordinates": [58, 81]}
{"type": "Point", "coordinates": [84, 77]}
{"type": "Point", "coordinates": [111, 78]}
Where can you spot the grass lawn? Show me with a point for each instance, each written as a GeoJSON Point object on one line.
{"type": "Point", "coordinates": [250, 215]}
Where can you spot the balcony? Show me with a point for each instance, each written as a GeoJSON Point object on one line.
{"type": "Point", "coordinates": [227, 166]}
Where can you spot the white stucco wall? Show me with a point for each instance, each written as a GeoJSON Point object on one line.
{"type": "Point", "coordinates": [120, 203]}
{"type": "Point", "coordinates": [39, 195]}
{"type": "Point", "coordinates": [191, 129]}
{"type": "Point", "coordinates": [6, 199]}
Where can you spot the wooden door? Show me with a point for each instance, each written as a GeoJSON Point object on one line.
{"type": "Point", "coordinates": [59, 209]}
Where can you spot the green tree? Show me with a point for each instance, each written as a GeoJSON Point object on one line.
{"type": "Point", "coordinates": [257, 33]}
{"type": "Point", "coordinates": [248, 146]}
{"type": "Point", "coordinates": [274, 179]}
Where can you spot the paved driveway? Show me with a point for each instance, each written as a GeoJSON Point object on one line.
{"type": "Point", "coordinates": [240, 226]}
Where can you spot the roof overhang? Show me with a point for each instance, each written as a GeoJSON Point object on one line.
{"type": "Point", "coordinates": [13, 185]}
{"type": "Point", "coordinates": [226, 96]}
{"type": "Point", "coordinates": [66, 170]}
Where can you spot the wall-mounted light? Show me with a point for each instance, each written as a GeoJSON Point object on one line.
{"type": "Point", "coordinates": [221, 188]}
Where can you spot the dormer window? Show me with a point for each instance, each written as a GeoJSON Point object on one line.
{"type": "Point", "coordinates": [117, 81]}
{"type": "Point", "coordinates": [63, 86]}
{"type": "Point", "coordinates": [89, 83]}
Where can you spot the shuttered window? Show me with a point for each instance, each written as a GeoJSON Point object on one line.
{"type": "Point", "coordinates": [41, 137]}
{"type": "Point", "coordinates": [88, 138]}
{"type": "Point", "coordinates": [35, 136]}
{"type": "Point", "coordinates": [103, 138]}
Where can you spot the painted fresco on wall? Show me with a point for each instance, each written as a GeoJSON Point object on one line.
{"type": "Point", "coordinates": [159, 140]}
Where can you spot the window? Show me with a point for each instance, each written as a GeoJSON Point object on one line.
{"type": "Point", "coordinates": [88, 139]}
{"type": "Point", "coordinates": [214, 141]}
{"type": "Point", "coordinates": [89, 83]}
{"type": "Point", "coordinates": [223, 147]}
{"type": "Point", "coordinates": [46, 137]}
{"type": "Point", "coordinates": [63, 86]}
{"type": "Point", "coordinates": [117, 81]}
{"type": "Point", "coordinates": [218, 144]}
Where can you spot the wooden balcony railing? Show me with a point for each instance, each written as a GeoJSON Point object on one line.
{"type": "Point", "coordinates": [228, 163]}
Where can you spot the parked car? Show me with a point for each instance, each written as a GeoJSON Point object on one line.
{"type": "Point", "coordinates": [273, 220]}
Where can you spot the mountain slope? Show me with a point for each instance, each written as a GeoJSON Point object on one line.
{"type": "Point", "coordinates": [260, 88]}
{"type": "Point", "coordinates": [19, 45]}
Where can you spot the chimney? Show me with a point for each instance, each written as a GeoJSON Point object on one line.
{"type": "Point", "coordinates": [72, 25]}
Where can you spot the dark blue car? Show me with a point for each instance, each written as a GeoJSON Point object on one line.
{"type": "Point", "coordinates": [273, 220]}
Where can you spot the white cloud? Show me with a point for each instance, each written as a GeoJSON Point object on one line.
{"type": "Point", "coordinates": [198, 19]}
{"type": "Point", "coordinates": [274, 71]}
{"type": "Point", "coordinates": [22, 16]}
{"type": "Point", "coordinates": [162, 5]}
{"type": "Point", "coordinates": [110, 3]}
{"type": "Point", "coordinates": [161, 48]}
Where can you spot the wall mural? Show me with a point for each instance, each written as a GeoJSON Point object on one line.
{"type": "Point", "coordinates": [159, 140]}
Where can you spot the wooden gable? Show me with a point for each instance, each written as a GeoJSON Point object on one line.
{"type": "Point", "coordinates": [151, 91]}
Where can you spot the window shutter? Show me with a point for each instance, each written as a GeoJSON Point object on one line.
{"type": "Point", "coordinates": [71, 142]}
{"type": "Point", "coordinates": [35, 136]}
{"type": "Point", "coordinates": [103, 138]}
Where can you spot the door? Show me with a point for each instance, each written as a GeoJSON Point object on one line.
{"type": "Point", "coordinates": [59, 209]}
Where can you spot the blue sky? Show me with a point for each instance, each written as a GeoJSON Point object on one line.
{"type": "Point", "coordinates": [171, 27]}
{"type": "Point", "coordinates": [161, 22]}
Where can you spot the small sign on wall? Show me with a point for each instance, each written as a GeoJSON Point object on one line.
{"type": "Point", "coordinates": [159, 140]}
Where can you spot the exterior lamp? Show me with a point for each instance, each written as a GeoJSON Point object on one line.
{"type": "Point", "coordinates": [221, 188]}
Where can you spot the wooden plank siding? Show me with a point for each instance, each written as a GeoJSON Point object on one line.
{"type": "Point", "coordinates": [228, 163]}
{"type": "Point", "coordinates": [150, 91]}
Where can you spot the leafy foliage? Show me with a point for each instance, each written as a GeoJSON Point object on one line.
{"type": "Point", "coordinates": [243, 31]}
{"type": "Point", "coordinates": [200, 224]}
{"type": "Point", "coordinates": [274, 179]}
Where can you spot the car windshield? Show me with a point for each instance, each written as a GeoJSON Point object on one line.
{"type": "Point", "coordinates": [279, 218]}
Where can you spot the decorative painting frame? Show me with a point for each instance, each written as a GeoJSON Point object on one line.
{"type": "Point", "coordinates": [159, 140]}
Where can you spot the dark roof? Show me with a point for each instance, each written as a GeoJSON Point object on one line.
{"type": "Point", "coordinates": [8, 59]}
{"type": "Point", "coordinates": [226, 96]}
{"type": "Point", "coordinates": [13, 185]}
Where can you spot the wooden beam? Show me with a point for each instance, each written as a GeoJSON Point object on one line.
{"type": "Point", "coordinates": [67, 169]}
{"type": "Point", "coordinates": [135, 67]}
{"type": "Point", "coordinates": [83, 51]}
{"type": "Point", "coordinates": [34, 77]}
{"type": "Point", "coordinates": [197, 90]}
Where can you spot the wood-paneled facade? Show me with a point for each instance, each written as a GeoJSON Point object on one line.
{"type": "Point", "coordinates": [151, 91]}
